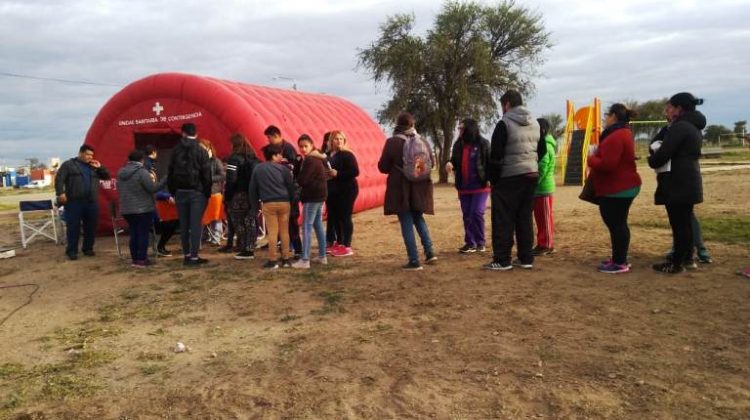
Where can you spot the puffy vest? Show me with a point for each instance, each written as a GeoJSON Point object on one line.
{"type": "Point", "coordinates": [520, 150]}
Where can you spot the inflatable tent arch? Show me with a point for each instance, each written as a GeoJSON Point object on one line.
{"type": "Point", "coordinates": [151, 111]}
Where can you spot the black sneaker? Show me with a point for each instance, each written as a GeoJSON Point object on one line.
{"type": "Point", "coordinates": [467, 249]}
{"type": "Point", "coordinates": [72, 257]}
{"type": "Point", "coordinates": [271, 265]}
{"type": "Point", "coordinates": [226, 249]}
{"type": "Point", "coordinates": [481, 248]}
{"type": "Point", "coordinates": [496, 266]}
{"type": "Point", "coordinates": [430, 259]}
{"type": "Point", "coordinates": [525, 266]}
{"type": "Point", "coordinates": [412, 266]}
{"type": "Point", "coordinates": [705, 259]}
{"type": "Point", "coordinates": [89, 253]}
{"type": "Point", "coordinates": [286, 263]}
{"type": "Point", "coordinates": [163, 252]}
{"type": "Point", "coordinates": [540, 250]}
{"type": "Point", "coordinates": [245, 255]}
{"type": "Point", "coordinates": [194, 261]}
{"type": "Point", "coordinates": [690, 265]}
{"type": "Point", "coordinates": [668, 268]}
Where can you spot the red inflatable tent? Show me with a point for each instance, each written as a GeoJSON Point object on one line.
{"type": "Point", "coordinates": [151, 111]}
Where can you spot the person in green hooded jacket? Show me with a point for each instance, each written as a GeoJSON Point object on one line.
{"type": "Point", "coordinates": [545, 188]}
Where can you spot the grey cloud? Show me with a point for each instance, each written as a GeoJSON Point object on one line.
{"type": "Point", "coordinates": [641, 53]}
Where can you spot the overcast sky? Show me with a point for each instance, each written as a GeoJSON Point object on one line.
{"type": "Point", "coordinates": [615, 50]}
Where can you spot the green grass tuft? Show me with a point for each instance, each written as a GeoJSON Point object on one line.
{"type": "Point", "coordinates": [66, 386]}
{"type": "Point", "coordinates": [729, 229]}
{"type": "Point", "coordinates": [10, 370]}
{"type": "Point", "coordinates": [151, 369]}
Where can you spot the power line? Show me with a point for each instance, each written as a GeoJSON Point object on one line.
{"type": "Point", "coordinates": [52, 79]}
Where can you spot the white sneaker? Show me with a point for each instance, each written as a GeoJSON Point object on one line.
{"type": "Point", "coordinates": [301, 264]}
{"type": "Point", "coordinates": [320, 260]}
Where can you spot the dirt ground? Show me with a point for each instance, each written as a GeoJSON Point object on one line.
{"type": "Point", "coordinates": [359, 338]}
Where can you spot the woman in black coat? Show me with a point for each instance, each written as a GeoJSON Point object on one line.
{"type": "Point", "coordinates": [679, 185]}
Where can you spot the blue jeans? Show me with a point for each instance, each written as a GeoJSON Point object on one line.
{"type": "Point", "coordinates": [190, 207]}
{"type": "Point", "coordinates": [700, 246]}
{"type": "Point", "coordinates": [140, 230]}
{"type": "Point", "coordinates": [77, 214]}
{"type": "Point", "coordinates": [312, 216]}
{"type": "Point", "coordinates": [410, 220]}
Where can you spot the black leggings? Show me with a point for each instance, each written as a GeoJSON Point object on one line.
{"type": "Point", "coordinates": [167, 228]}
{"type": "Point", "coordinates": [340, 209]}
{"type": "Point", "coordinates": [242, 216]}
{"type": "Point", "coordinates": [680, 218]}
{"type": "Point", "coordinates": [614, 211]}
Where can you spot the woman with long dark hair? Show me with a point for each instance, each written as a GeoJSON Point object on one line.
{"type": "Point", "coordinates": [331, 240]}
{"type": "Point", "coordinates": [212, 215]}
{"type": "Point", "coordinates": [241, 211]}
{"type": "Point", "coordinates": [679, 186]}
{"type": "Point", "coordinates": [469, 161]}
{"type": "Point", "coordinates": [312, 180]}
{"type": "Point", "coordinates": [616, 183]}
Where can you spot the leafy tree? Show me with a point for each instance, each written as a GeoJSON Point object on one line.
{"type": "Point", "coordinates": [34, 163]}
{"type": "Point", "coordinates": [556, 124]}
{"type": "Point", "coordinates": [740, 127]}
{"type": "Point", "coordinates": [460, 67]}
{"type": "Point", "coordinates": [713, 132]}
{"type": "Point", "coordinates": [651, 111]}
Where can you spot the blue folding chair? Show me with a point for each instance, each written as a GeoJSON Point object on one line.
{"type": "Point", "coordinates": [33, 225]}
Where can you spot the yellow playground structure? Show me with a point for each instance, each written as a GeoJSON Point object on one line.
{"type": "Point", "coordinates": [582, 129]}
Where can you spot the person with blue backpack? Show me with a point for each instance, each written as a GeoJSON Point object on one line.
{"type": "Point", "coordinates": [407, 160]}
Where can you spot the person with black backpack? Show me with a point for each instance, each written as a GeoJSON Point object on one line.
{"type": "Point", "coordinates": [189, 182]}
{"type": "Point", "coordinates": [407, 160]}
{"type": "Point", "coordinates": [241, 211]}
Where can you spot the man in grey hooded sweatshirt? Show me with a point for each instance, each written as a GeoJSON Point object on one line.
{"type": "Point", "coordinates": [137, 186]}
{"type": "Point", "coordinates": [513, 173]}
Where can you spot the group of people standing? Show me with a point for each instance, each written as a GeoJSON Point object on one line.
{"type": "Point", "coordinates": [198, 185]}
{"type": "Point", "coordinates": [674, 155]}
{"type": "Point", "coordinates": [515, 170]}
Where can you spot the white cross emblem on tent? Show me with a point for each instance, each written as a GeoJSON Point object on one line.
{"type": "Point", "coordinates": [158, 108]}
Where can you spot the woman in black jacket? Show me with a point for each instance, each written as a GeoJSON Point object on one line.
{"type": "Point", "coordinates": [342, 192]}
{"type": "Point", "coordinates": [241, 212]}
{"type": "Point", "coordinates": [469, 161]}
{"type": "Point", "coordinates": [679, 185]}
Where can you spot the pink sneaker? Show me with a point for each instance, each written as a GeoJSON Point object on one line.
{"type": "Point", "coordinates": [330, 249]}
{"type": "Point", "coordinates": [342, 251]}
{"type": "Point", "coordinates": [746, 272]}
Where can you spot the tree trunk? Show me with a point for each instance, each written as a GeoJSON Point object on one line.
{"type": "Point", "coordinates": [445, 155]}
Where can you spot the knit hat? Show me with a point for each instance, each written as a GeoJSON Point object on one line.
{"type": "Point", "coordinates": [685, 100]}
